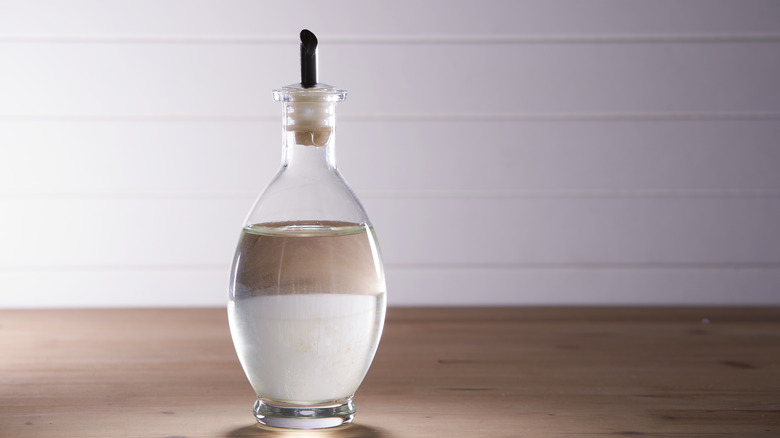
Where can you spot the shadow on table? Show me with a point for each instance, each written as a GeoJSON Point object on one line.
{"type": "Point", "coordinates": [351, 431]}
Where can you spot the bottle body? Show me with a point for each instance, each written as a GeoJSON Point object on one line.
{"type": "Point", "coordinates": [307, 289]}
{"type": "Point", "coordinates": [306, 309]}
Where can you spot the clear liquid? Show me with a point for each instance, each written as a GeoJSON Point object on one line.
{"type": "Point", "coordinates": [306, 308]}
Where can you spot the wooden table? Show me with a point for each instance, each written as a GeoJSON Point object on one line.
{"type": "Point", "coordinates": [457, 372]}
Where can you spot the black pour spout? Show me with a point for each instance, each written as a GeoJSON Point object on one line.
{"type": "Point", "coordinates": [308, 59]}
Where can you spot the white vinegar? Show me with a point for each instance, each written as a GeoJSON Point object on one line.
{"type": "Point", "coordinates": [306, 308]}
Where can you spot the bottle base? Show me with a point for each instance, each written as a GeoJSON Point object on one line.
{"type": "Point", "coordinates": [291, 416]}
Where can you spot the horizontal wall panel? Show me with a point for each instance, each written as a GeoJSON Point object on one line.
{"type": "Point", "coordinates": [560, 156]}
{"type": "Point", "coordinates": [147, 158]}
{"type": "Point", "coordinates": [96, 233]}
{"type": "Point", "coordinates": [136, 79]}
{"type": "Point", "coordinates": [415, 287]}
{"type": "Point", "coordinates": [475, 287]}
{"type": "Point", "coordinates": [508, 231]}
{"type": "Point", "coordinates": [540, 158]}
{"type": "Point", "coordinates": [211, 17]}
{"type": "Point", "coordinates": [448, 231]}
{"type": "Point", "coordinates": [113, 288]}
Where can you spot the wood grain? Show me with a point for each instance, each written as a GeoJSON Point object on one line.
{"type": "Point", "coordinates": [439, 372]}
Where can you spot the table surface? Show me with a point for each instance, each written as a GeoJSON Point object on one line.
{"type": "Point", "coordinates": [439, 372]}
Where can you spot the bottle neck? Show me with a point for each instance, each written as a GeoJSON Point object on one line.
{"type": "Point", "coordinates": [309, 135]}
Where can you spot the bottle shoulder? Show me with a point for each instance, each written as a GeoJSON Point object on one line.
{"type": "Point", "coordinates": [314, 195]}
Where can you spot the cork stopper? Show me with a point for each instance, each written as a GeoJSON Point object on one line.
{"type": "Point", "coordinates": [313, 137]}
{"type": "Point", "coordinates": [309, 105]}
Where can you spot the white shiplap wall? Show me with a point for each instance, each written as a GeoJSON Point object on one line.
{"type": "Point", "coordinates": [519, 152]}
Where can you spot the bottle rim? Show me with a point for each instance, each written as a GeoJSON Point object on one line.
{"type": "Point", "coordinates": [318, 93]}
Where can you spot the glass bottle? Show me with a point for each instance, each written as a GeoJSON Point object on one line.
{"type": "Point", "coordinates": [307, 288]}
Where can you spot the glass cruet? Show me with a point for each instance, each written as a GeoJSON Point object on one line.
{"type": "Point", "coordinates": [306, 304]}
